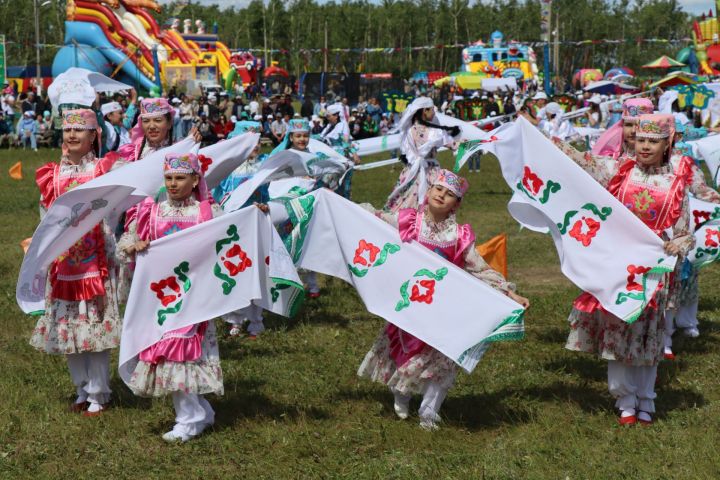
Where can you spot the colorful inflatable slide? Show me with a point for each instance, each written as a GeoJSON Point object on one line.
{"type": "Point", "coordinates": [119, 38]}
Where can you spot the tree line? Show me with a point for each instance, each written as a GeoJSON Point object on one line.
{"type": "Point", "coordinates": [293, 25]}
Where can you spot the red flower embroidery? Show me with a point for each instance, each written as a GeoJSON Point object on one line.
{"type": "Point", "coordinates": [235, 268]}
{"type": "Point", "coordinates": [709, 242]}
{"type": "Point", "coordinates": [585, 238]}
{"type": "Point", "coordinates": [700, 217]}
{"type": "Point", "coordinates": [632, 285]}
{"type": "Point", "coordinates": [205, 162]}
{"type": "Point", "coordinates": [426, 297]}
{"type": "Point", "coordinates": [531, 181]}
{"type": "Point", "coordinates": [363, 247]}
{"type": "Point", "coordinates": [159, 289]}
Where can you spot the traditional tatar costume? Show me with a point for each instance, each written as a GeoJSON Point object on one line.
{"type": "Point", "coordinates": [419, 144]}
{"type": "Point", "coordinates": [185, 363]}
{"type": "Point", "coordinates": [401, 361]}
{"type": "Point", "coordinates": [684, 317]}
{"type": "Point", "coordinates": [81, 318]}
{"type": "Point", "coordinates": [658, 197]}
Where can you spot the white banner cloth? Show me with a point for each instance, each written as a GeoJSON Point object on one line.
{"type": "Point", "coordinates": [404, 283]}
{"type": "Point", "coordinates": [604, 249]}
{"type": "Point", "coordinates": [76, 212]}
{"type": "Point", "coordinates": [206, 271]}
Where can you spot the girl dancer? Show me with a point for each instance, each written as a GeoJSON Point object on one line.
{"type": "Point", "coordinates": [417, 368]}
{"type": "Point", "coordinates": [81, 318]}
{"type": "Point", "coordinates": [185, 363]}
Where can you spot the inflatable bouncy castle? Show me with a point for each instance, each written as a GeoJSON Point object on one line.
{"type": "Point", "coordinates": [500, 59]}
{"type": "Point", "coordinates": [120, 39]}
{"type": "Point", "coordinates": [707, 43]}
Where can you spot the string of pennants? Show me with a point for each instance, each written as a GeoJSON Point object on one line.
{"type": "Point", "coordinates": [389, 50]}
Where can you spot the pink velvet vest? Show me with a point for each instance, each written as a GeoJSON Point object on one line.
{"type": "Point", "coordinates": [404, 346]}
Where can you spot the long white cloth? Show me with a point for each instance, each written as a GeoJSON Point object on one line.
{"type": "Point", "coordinates": [603, 247]}
{"type": "Point", "coordinates": [206, 271]}
{"type": "Point", "coordinates": [708, 149]}
{"type": "Point", "coordinates": [404, 283]}
{"type": "Point", "coordinates": [706, 222]}
{"type": "Point", "coordinates": [76, 212]}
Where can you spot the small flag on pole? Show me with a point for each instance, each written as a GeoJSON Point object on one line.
{"type": "Point", "coordinates": [494, 251]}
{"type": "Point", "coordinates": [16, 171]}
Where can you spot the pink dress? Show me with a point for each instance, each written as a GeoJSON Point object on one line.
{"type": "Point", "coordinates": [398, 359]}
{"type": "Point", "coordinates": [185, 359]}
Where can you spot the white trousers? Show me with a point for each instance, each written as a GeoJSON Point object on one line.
{"type": "Point", "coordinates": [251, 313]}
{"type": "Point", "coordinates": [90, 373]}
{"type": "Point", "coordinates": [192, 413]}
{"type": "Point", "coordinates": [669, 327]}
{"type": "Point", "coordinates": [633, 387]}
{"type": "Point", "coordinates": [432, 400]}
{"type": "Point", "coordinates": [685, 317]}
{"type": "Point", "coordinates": [310, 278]}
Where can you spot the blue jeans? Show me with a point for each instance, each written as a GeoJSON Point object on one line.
{"type": "Point", "coordinates": [474, 162]}
{"type": "Point", "coordinates": [31, 139]}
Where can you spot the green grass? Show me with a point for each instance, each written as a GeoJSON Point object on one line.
{"type": "Point", "coordinates": [294, 408]}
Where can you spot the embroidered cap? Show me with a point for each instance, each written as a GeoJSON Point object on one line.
{"type": "Point", "coordinates": [155, 107]}
{"type": "Point", "coordinates": [182, 163]}
{"type": "Point", "coordinates": [298, 125]}
{"type": "Point", "coordinates": [245, 126]}
{"type": "Point", "coordinates": [634, 107]}
{"type": "Point", "coordinates": [658, 125]}
{"type": "Point", "coordinates": [455, 183]}
{"type": "Point", "coordinates": [334, 109]}
{"type": "Point", "coordinates": [110, 107]}
{"type": "Point", "coordinates": [80, 119]}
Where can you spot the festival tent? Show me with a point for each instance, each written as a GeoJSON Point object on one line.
{"type": "Point", "coordinates": [675, 78]}
{"type": "Point", "coordinates": [663, 62]}
{"type": "Point", "coordinates": [607, 87]}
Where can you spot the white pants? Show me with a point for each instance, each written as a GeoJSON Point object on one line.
{"type": "Point", "coordinates": [90, 373]}
{"type": "Point", "coordinates": [192, 413]}
{"type": "Point", "coordinates": [685, 317]}
{"type": "Point", "coordinates": [669, 327]}
{"type": "Point", "coordinates": [633, 387]}
{"type": "Point", "coordinates": [432, 400]}
{"type": "Point", "coordinates": [251, 313]}
{"type": "Point", "coordinates": [310, 278]}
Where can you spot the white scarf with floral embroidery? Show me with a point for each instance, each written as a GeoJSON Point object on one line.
{"type": "Point", "coordinates": [76, 212]}
{"type": "Point", "coordinates": [604, 249]}
{"type": "Point", "coordinates": [404, 283]}
{"type": "Point", "coordinates": [206, 271]}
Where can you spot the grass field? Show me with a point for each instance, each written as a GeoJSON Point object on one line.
{"type": "Point", "coordinates": [294, 408]}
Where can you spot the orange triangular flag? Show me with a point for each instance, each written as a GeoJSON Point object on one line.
{"type": "Point", "coordinates": [16, 171]}
{"type": "Point", "coordinates": [494, 251]}
{"type": "Point", "coordinates": [25, 244]}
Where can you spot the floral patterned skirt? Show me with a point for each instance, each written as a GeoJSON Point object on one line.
{"type": "Point", "coordinates": [639, 343]}
{"type": "Point", "coordinates": [412, 377]}
{"type": "Point", "coordinates": [69, 327]}
{"type": "Point", "coordinates": [408, 196]}
{"type": "Point", "coordinates": [201, 376]}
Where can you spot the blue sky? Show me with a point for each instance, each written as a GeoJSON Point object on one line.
{"type": "Point", "coordinates": [692, 6]}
